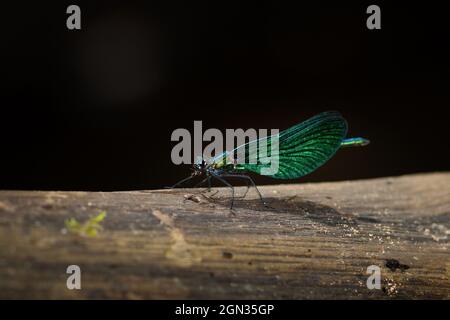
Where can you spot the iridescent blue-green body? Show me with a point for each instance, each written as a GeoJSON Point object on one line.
{"type": "Point", "coordinates": [299, 150]}
{"type": "Point", "coordinates": [296, 151]}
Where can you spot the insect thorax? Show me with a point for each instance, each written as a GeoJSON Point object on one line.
{"type": "Point", "coordinates": [224, 162]}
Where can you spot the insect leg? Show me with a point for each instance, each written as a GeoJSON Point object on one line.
{"type": "Point", "coordinates": [182, 181]}
{"type": "Point", "coordinates": [201, 182]}
{"type": "Point", "coordinates": [208, 178]}
{"type": "Point", "coordinates": [250, 180]}
{"type": "Point", "coordinates": [209, 183]}
{"type": "Point", "coordinates": [228, 185]}
{"type": "Point", "coordinates": [246, 190]}
{"type": "Point", "coordinates": [209, 188]}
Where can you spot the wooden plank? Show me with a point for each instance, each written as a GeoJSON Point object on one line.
{"type": "Point", "coordinates": [316, 242]}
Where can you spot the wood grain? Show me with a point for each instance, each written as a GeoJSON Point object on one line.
{"type": "Point", "coordinates": [316, 242]}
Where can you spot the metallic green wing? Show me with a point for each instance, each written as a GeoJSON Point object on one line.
{"type": "Point", "coordinates": [298, 150]}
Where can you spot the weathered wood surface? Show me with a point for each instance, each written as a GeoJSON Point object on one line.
{"type": "Point", "coordinates": [316, 242]}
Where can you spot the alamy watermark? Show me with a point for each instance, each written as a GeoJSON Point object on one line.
{"type": "Point", "coordinates": [242, 147]}
{"type": "Point", "coordinates": [374, 280]}
{"type": "Point", "coordinates": [74, 280]}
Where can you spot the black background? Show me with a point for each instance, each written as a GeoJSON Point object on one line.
{"type": "Point", "coordinates": [94, 109]}
{"type": "Point", "coordinates": [284, 309]}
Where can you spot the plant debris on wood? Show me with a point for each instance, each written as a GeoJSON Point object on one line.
{"type": "Point", "coordinates": [90, 228]}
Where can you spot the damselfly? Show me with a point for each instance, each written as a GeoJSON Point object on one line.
{"type": "Point", "coordinates": [299, 151]}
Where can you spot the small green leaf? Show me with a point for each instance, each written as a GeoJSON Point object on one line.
{"type": "Point", "coordinates": [90, 228]}
{"type": "Point", "coordinates": [72, 224]}
{"type": "Point", "coordinates": [98, 218]}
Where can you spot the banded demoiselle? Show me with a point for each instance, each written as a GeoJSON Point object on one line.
{"type": "Point", "coordinates": [300, 150]}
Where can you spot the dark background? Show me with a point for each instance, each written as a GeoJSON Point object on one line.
{"type": "Point", "coordinates": [94, 109]}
